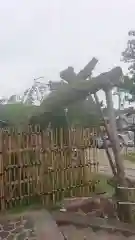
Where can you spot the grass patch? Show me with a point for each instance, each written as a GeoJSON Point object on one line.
{"type": "Point", "coordinates": [24, 208]}
{"type": "Point", "coordinates": [102, 187]}
{"type": "Point", "coordinates": [130, 157]}
{"type": "Point", "coordinates": [25, 205]}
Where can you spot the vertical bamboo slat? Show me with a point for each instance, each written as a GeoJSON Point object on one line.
{"type": "Point", "coordinates": [2, 195]}
{"type": "Point", "coordinates": [43, 164]}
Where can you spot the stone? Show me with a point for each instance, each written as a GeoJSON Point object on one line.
{"type": "Point", "coordinates": [17, 230]}
{"type": "Point", "coordinates": [11, 237]}
{"type": "Point", "coordinates": [8, 227]}
{"type": "Point", "coordinates": [4, 234]}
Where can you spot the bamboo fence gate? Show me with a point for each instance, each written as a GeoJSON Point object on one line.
{"type": "Point", "coordinates": [34, 167]}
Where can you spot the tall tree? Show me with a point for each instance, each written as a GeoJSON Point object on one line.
{"type": "Point", "coordinates": [128, 56]}
{"type": "Point", "coordinates": [129, 53]}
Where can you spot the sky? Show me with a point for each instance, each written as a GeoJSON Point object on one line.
{"type": "Point", "coordinates": [43, 37]}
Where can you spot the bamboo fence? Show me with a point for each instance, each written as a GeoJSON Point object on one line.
{"type": "Point", "coordinates": [38, 165]}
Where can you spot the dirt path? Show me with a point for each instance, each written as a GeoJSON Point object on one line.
{"type": "Point", "coordinates": [22, 228]}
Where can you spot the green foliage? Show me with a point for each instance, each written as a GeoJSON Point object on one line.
{"type": "Point", "coordinates": [81, 113]}
{"type": "Point", "coordinates": [128, 56]}
{"type": "Point", "coordinates": [84, 113]}
{"type": "Point", "coordinates": [130, 157]}
{"type": "Point", "coordinates": [17, 113]}
{"type": "Point", "coordinates": [129, 53]}
{"type": "Point", "coordinates": [129, 87]}
{"type": "Point", "coordinates": [86, 120]}
{"type": "Point", "coordinates": [57, 119]}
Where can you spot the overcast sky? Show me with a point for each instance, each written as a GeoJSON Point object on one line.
{"type": "Point", "coordinates": [42, 37]}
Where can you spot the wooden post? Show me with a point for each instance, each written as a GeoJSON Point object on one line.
{"type": "Point", "coordinates": [105, 144]}
{"type": "Point", "coordinates": [113, 134]}
{"type": "Point", "coordinates": [122, 195]}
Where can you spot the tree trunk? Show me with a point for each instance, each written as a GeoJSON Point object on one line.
{"type": "Point", "coordinates": [105, 144]}
{"type": "Point", "coordinates": [80, 89]}
{"type": "Point", "coordinates": [124, 211]}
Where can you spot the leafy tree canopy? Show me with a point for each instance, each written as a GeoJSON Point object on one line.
{"type": "Point", "coordinates": [128, 56]}
{"type": "Point", "coordinates": [129, 53]}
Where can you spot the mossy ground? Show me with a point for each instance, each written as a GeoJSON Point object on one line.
{"type": "Point", "coordinates": [35, 204]}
